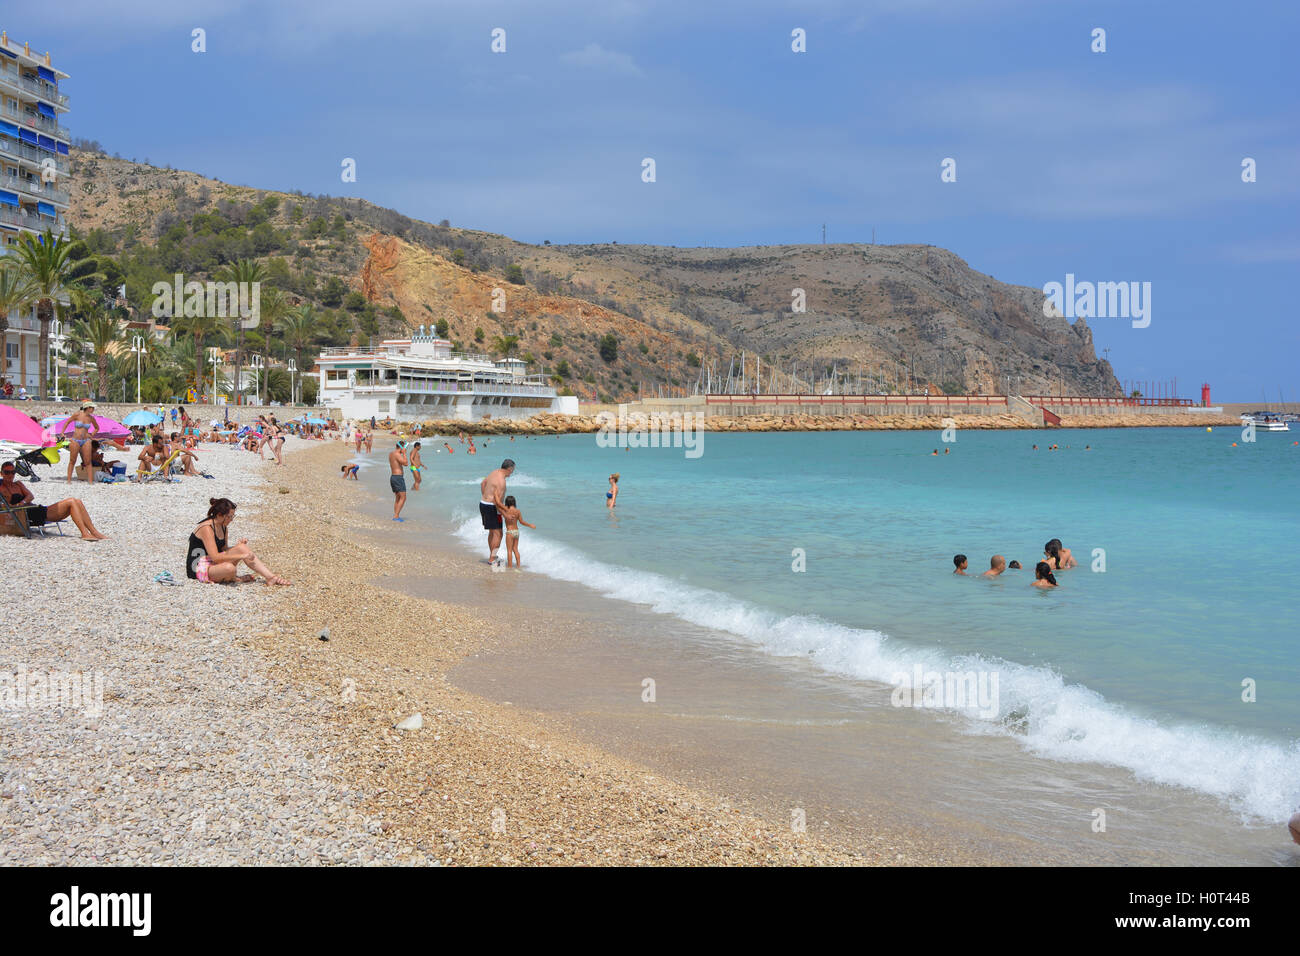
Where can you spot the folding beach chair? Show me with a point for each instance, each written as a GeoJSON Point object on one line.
{"type": "Point", "coordinates": [164, 471]}
{"type": "Point", "coordinates": [18, 515]}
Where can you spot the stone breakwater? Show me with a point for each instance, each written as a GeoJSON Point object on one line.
{"type": "Point", "coordinates": [583, 424]}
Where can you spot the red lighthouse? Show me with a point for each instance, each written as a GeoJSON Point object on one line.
{"type": "Point", "coordinates": [1205, 395]}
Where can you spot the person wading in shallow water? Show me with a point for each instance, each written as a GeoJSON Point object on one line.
{"type": "Point", "coordinates": [397, 461]}
{"type": "Point", "coordinates": [491, 503]}
{"type": "Point", "coordinates": [417, 465]}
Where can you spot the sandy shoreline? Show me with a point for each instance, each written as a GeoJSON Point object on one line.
{"type": "Point", "coordinates": [231, 734]}
{"type": "Point", "coordinates": [557, 799]}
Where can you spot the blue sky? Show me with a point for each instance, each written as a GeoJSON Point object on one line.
{"type": "Point", "coordinates": [1115, 166]}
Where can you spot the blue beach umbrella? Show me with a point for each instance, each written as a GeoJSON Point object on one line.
{"type": "Point", "coordinates": [315, 421]}
{"type": "Point", "coordinates": [141, 417]}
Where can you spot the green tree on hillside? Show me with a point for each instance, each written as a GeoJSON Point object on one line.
{"type": "Point", "coordinates": [609, 347]}
{"type": "Point", "coordinates": [332, 294]}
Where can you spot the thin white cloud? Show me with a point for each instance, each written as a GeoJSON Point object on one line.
{"type": "Point", "coordinates": [1263, 251]}
{"type": "Point", "coordinates": [596, 57]}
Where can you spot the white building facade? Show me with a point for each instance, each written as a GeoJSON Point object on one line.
{"type": "Point", "coordinates": [421, 378]}
{"type": "Point", "coordinates": [34, 155]}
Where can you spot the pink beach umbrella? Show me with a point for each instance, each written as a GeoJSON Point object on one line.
{"type": "Point", "coordinates": [106, 428]}
{"type": "Point", "coordinates": [20, 429]}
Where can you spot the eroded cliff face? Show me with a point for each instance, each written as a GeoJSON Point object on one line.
{"type": "Point", "coordinates": [889, 314]}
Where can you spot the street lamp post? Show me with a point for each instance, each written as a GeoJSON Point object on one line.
{"type": "Point", "coordinates": [214, 377]}
{"type": "Point", "coordinates": [137, 346]}
{"type": "Point", "coordinates": [257, 364]}
{"type": "Point", "coordinates": [293, 369]}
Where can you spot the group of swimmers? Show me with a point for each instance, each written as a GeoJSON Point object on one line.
{"type": "Point", "coordinates": [1056, 556]}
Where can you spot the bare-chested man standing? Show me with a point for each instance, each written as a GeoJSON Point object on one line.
{"type": "Point", "coordinates": [492, 491]}
{"type": "Point", "coordinates": [417, 465]}
{"type": "Point", "coordinates": [397, 462]}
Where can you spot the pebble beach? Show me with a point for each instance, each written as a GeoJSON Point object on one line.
{"type": "Point", "coordinates": [247, 725]}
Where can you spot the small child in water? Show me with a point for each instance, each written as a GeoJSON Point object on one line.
{"type": "Point", "coordinates": [959, 563]}
{"type": "Point", "coordinates": [513, 519]}
{"type": "Point", "coordinates": [350, 471]}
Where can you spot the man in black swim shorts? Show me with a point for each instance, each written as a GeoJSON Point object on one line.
{"type": "Point", "coordinates": [397, 462]}
{"type": "Point", "coordinates": [492, 490]}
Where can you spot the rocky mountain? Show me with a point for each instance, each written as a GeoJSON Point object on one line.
{"type": "Point", "coordinates": [607, 321]}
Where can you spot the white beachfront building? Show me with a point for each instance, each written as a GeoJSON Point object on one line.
{"type": "Point", "coordinates": [34, 150]}
{"type": "Point", "coordinates": [421, 378]}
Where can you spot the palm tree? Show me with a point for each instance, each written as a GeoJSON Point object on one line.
{"type": "Point", "coordinates": [297, 329]}
{"type": "Point", "coordinates": [55, 274]}
{"type": "Point", "coordinates": [98, 329]}
{"type": "Point", "coordinates": [275, 306]}
{"type": "Point", "coordinates": [506, 344]}
{"type": "Point", "coordinates": [278, 385]}
{"type": "Point", "coordinates": [244, 271]}
{"type": "Point", "coordinates": [16, 293]}
{"type": "Point", "coordinates": [209, 329]}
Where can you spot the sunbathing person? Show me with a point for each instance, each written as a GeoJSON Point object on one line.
{"type": "Point", "coordinates": [97, 457]}
{"type": "Point", "coordinates": [188, 458]}
{"type": "Point", "coordinates": [209, 560]}
{"type": "Point", "coordinates": [16, 493]}
{"type": "Point", "coordinates": [152, 455]}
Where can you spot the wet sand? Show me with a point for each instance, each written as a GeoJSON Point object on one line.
{"type": "Point", "coordinates": [484, 781]}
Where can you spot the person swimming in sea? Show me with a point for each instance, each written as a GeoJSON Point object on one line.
{"type": "Point", "coordinates": [1043, 577]}
{"type": "Point", "coordinates": [611, 496]}
{"type": "Point", "coordinates": [959, 563]}
{"type": "Point", "coordinates": [1014, 566]}
{"type": "Point", "coordinates": [1059, 555]}
{"type": "Point", "coordinates": [997, 564]}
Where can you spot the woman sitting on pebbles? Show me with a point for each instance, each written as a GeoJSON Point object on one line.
{"type": "Point", "coordinates": [209, 560]}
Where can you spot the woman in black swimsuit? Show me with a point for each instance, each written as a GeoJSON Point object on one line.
{"type": "Point", "coordinates": [208, 559]}
{"type": "Point", "coordinates": [16, 493]}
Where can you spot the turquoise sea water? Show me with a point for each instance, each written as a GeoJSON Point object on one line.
{"type": "Point", "coordinates": [1139, 666]}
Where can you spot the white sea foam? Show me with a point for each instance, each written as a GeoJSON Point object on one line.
{"type": "Point", "coordinates": [1051, 718]}
{"type": "Point", "coordinates": [517, 480]}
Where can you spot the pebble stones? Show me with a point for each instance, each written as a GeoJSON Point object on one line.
{"type": "Point", "coordinates": [414, 722]}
